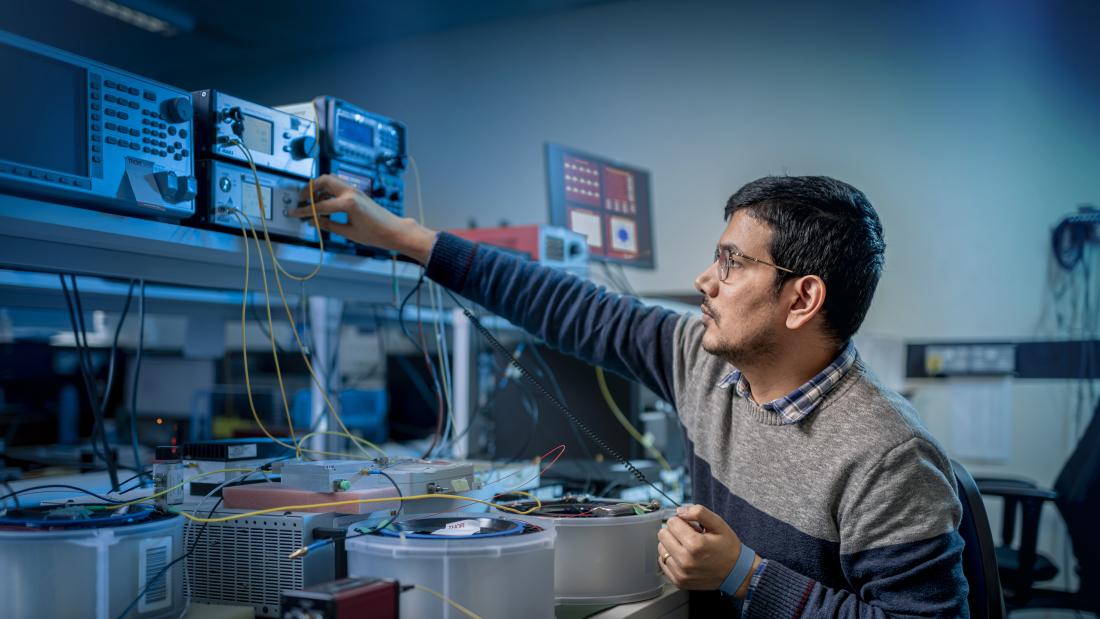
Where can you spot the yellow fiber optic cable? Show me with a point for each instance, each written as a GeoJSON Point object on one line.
{"type": "Point", "coordinates": [459, 607]}
{"type": "Point", "coordinates": [352, 437]}
{"type": "Point", "coordinates": [415, 497]}
{"type": "Point", "coordinates": [437, 303]}
{"type": "Point", "coordinates": [282, 296]}
{"type": "Point", "coordinates": [645, 442]}
{"type": "Point", "coordinates": [179, 485]}
{"type": "Point", "coordinates": [244, 337]}
{"type": "Point", "coordinates": [263, 222]}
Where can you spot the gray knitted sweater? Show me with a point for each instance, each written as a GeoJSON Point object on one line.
{"type": "Point", "coordinates": [854, 508]}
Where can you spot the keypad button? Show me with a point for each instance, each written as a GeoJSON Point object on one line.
{"type": "Point", "coordinates": [109, 98]}
{"type": "Point", "coordinates": [123, 142]}
{"type": "Point", "coordinates": [111, 126]}
{"type": "Point", "coordinates": [163, 154]}
{"type": "Point", "coordinates": [95, 96]}
{"type": "Point", "coordinates": [185, 153]}
{"type": "Point", "coordinates": [134, 146]}
{"type": "Point", "coordinates": [109, 83]}
{"type": "Point", "coordinates": [135, 132]}
{"type": "Point", "coordinates": [111, 140]}
{"type": "Point", "coordinates": [121, 88]}
{"type": "Point", "coordinates": [35, 173]}
{"type": "Point", "coordinates": [97, 158]}
{"type": "Point", "coordinates": [95, 85]}
{"type": "Point", "coordinates": [49, 176]}
{"type": "Point", "coordinates": [171, 149]}
{"type": "Point", "coordinates": [96, 148]}
{"type": "Point", "coordinates": [123, 115]}
{"type": "Point", "coordinates": [110, 111]}
{"type": "Point", "coordinates": [133, 90]}
{"type": "Point", "coordinates": [183, 133]}
{"type": "Point", "coordinates": [95, 127]}
{"type": "Point", "coordinates": [150, 95]}
{"type": "Point", "coordinates": [133, 105]}
{"type": "Point", "coordinates": [96, 117]}
{"type": "Point", "coordinates": [178, 157]}
{"type": "Point", "coordinates": [95, 106]}
{"type": "Point", "coordinates": [171, 131]}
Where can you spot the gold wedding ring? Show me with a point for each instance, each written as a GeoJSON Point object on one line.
{"type": "Point", "coordinates": [664, 557]}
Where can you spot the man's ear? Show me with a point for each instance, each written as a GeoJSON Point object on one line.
{"type": "Point", "coordinates": [805, 296]}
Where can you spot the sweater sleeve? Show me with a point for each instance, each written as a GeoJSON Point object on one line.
{"type": "Point", "coordinates": [572, 315]}
{"type": "Point", "coordinates": [900, 549]}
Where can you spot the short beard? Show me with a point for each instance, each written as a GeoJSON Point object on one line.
{"type": "Point", "coordinates": [759, 348]}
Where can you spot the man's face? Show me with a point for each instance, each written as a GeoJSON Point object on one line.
{"type": "Point", "coordinates": [742, 316]}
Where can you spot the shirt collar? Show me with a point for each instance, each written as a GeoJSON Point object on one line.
{"type": "Point", "coordinates": [798, 404]}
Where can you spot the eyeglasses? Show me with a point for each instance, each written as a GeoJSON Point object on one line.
{"type": "Point", "coordinates": [724, 257]}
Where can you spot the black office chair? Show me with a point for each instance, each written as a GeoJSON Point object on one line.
{"type": "Point", "coordinates": [1076, 494]}
{"type": "Point", "coordinates": [979, 555]}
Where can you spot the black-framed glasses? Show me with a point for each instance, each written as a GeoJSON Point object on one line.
{"type": "Point", "coordinates": [724, 257]}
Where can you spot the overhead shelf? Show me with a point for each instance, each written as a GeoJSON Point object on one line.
{"type": "Point", "coordinates": [44, 236]}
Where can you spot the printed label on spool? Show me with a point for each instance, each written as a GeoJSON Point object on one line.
{"type": "Point", "coordinates": [459, 528]}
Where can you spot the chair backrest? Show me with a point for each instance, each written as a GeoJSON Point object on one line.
{"type": "Point", "coordinates": [1078, 488]}
{"type": "Point", "coordinates": [979, 555]}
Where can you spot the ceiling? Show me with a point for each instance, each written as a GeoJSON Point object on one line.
{"type": "Point", "coordinates": [249, 31]}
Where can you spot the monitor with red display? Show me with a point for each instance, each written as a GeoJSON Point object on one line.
{"type": "Point", "coordinates": [607, 201]}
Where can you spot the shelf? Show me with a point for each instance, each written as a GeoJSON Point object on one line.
{"type": "Point", "coordinates": [44, 236]}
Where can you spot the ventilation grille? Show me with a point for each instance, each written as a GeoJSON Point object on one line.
{"type": "Point", "coordinates": [555, 249]}
{"type": "Point", "coordinates": [155, 560]}
{"type": "Point", "coordinates": [244, 562]}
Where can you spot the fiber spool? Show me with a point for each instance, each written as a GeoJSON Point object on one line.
{"type": "Point", "coordinates": [609, 558]}
{"type": "Point", "coordinates": [90, 567]}
{"type": "Point", "coordinates": [504, 567]}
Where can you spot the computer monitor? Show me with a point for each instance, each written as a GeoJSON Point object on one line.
{"type": "Point", "coordinates": [504, 428]}
{"type": "Point", "coordinates": [607, 201]}
{"type": "Point", "coordinates": [517, 434]}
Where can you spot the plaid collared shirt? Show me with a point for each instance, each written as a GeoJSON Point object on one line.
{"type": "Point", "coordinates": [798, 404]}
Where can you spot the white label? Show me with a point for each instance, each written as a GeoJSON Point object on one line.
{"type": "Point", "coordinates": [460, 484]}
{"type": "Point", "coordinates": [236, 452]}
{"type": "Point", "coordinates": [459, 528]}
{"type": "Point", "coordinates": [155, 555]}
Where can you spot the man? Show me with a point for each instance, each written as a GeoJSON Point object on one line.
{"type": "Point", "coordinates": [819, 492]}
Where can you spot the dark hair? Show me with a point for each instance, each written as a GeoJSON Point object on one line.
{"type": "Point", "coordinates": [821, 227]}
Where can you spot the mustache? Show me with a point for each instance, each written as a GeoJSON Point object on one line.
{"type": "Point", "coordinates": [709, 309]}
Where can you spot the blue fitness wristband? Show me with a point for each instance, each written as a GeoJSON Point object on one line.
{"type": "Point", "coordinates": [740, 570]}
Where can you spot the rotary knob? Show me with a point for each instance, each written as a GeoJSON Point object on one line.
{"type": "Point", "coordinates": [177, 110]}
{"type": "Point", "coordinates": [303, 148]}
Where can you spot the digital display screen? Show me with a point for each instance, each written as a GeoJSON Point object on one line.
{"type": "Point", "coordinates": [362, 183]}
{"type": "Point", "coordinates": [258, 134]}
{"type": "Point", "coordinates": [45, 122]}
{"type": "Point", "coordinates": [606, 201]}
{"type": "Point", "coordinates": [354, 131]}
{"type": "Point", "coordinates": [249, 205]}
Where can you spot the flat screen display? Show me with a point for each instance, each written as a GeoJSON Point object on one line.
{"type": "Point", "coordinates": [606, 201]}
{"type": "Point", "coordinates": [249, 205]}
{"type": "Point", "coordinates": [258, 134]}
{"type": "Point", "coordinates": [354, 131]}
{"type": "Point", "coordinates": [44, 112]}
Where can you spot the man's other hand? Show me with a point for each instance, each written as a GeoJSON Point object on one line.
{"type": "Point", "coordinates": [701, 549]}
